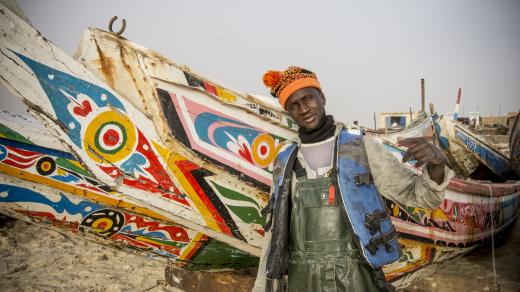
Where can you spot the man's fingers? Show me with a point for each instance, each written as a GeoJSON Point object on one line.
{"type": "Point", "coordinates": [422, 151]}
{"type": "Point", "coordinates": [423, 158]}
{"type": "Point", "coordinates": [406, 156]}
{"type": "Point", "coordinates": [409, 141]}
{"type": "Point", "coordinates": [415, 149]}
{"type": "Point", "coordinates": [419, 163]}
{"type": "Point", "coordinates": [423, 155]}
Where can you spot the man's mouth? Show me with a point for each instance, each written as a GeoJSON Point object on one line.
{"type": "Point", "coordinates": [309, 119]}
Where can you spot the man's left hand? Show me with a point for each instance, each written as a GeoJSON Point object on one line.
{"type": "Point", "coordinates": [424, 152]}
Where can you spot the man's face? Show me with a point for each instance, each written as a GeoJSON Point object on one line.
{"type": "Point", "coordinates": [306, 107]}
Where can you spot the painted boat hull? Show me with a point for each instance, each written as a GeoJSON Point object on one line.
{"type": "Point", "coordinates": [461, 160]}
{"type": "Point", "coordinates": [120, 146]}
{"type": "Point", "coordinates": [420, 128]}
{"type": "Point", "coordinates": [50, 187]}
{"type": "Point", "coordinates": [496, 161]}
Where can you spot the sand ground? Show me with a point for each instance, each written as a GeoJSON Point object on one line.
{"type": "Point", "coordinates": [474, 271]}
{"type": "Point", "coordinates": [33, 258]}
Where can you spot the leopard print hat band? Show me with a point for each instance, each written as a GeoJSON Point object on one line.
{"type": "Point", "coordinates": [285, 83]}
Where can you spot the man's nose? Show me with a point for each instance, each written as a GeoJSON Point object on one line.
{"type": "Point", "coordinates": [304, 108]}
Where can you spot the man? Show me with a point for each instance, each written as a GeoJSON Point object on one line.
{"type": "Point", "coordinates": [328, 228]}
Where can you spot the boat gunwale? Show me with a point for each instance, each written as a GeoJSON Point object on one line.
{"type": "Point", "coordinates": [483, 188]}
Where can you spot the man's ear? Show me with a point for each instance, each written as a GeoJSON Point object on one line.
{"type": "Point", "coordinates": [323, 97]}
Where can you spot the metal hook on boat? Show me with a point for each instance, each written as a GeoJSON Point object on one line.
{"type": "Point", "coordinates": [123, 26]}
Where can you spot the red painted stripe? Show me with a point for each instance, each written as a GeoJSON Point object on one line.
{"type": "Point", "coordinates": [196, 247]}
{"type": "Point", "coordinates": [18, 165]}
{"type": "Point", "coordinates": [22, 159]}
{"type": "Point", "coordinates": [23, 152]}
{"type": "Point", "coordinates": [155, 169]}
{"type": "Point", "coordinates": [186, 167]}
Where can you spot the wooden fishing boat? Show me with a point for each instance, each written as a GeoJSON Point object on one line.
{"type": "Point", "coordinates": [468, 150]}
{"type": "Point", "coordinates": [49, 186]}
{"type": "Point", "coordinates": [495, 160]}
{"type": "Point", "coordinates": [514, 146]}
{"type": "Point", "coordinates": [461, 160]}
{"type": "Point", "coordinates": [155, 139]}
{"type": "Point", "coordinates": [420, 127]}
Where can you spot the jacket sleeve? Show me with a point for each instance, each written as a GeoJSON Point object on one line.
{"type": "Point", "coordinates": [260, 277]}
{"type": "Point", "coordinates": [397, 182]}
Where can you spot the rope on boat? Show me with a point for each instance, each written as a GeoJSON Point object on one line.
{"type": "Point", "coordinates": [491, 203]}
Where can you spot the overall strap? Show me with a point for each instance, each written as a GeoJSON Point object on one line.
{"type": "Point", "coordinates": [279, 221]}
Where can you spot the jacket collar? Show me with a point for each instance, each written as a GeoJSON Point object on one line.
{"type": "Point", "coordinates": [296, 139]}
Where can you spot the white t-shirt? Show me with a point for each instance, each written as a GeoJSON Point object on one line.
{"type": "Point", "coordinates": [319, 156]}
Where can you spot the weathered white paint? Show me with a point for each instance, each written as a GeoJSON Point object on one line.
{"type": "Point", "coordinates": [32, 129]}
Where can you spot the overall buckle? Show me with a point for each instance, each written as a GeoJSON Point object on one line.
{"type": "Point", "coordinates": [373, 220]}
{"type": "Point", "coordinates": [383, 240]}
{"type": "Point", "coordinates": [363, 179]}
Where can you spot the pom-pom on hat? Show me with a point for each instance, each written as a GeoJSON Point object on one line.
{"type": "Point", "coordinates": [285, 83]}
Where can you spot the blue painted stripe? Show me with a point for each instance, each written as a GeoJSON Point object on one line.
{"type": "Point", "coordinates": [36, 148]}
{"type": "Point", "coordinates": [488, 156]}
{"type": "Point", "coordinates": [16, 194]}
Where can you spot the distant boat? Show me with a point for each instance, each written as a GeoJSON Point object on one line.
{"type": "Point", "coordinates": [514, 146]}
{"type": "Point", "coordinates": [467, 149]}
{"type": "Point", "coordinates": [421, 126]}
{"type": "Point", "coordinates": [140, 138]}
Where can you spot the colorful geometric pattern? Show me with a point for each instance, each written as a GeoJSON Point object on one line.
{"type": "Point", "coordinates": [169, 240]}
{"type": "Point", "coordinates": [232, 143]}
{"type": "Point", "coordinates": [97, 124]}
{"type": "Point", "coordinates": [221, 212]}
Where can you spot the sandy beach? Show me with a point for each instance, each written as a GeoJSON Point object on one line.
{"type": "Point", "coordinates": [34, 258]}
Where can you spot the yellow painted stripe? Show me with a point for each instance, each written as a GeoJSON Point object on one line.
{"type": "Point", "coordinates": [192, 194]}
{"type": "Point", "coordinates": [96, 197]}
{"type": "Point", "coordinates": [171, 158]}
{"type": "Point", "coordinates": [194, 244]}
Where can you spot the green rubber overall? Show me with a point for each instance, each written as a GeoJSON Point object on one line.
{"type": "Point", "coordinates": [324, 255]}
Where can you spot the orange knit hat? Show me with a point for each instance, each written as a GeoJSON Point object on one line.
{"type": "Point", "coordinates": [285, 83]}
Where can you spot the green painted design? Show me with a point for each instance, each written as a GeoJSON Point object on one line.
{"type": "Point", "coordinates": [65, 163]}
{"type": "Point", "coordinates": [247, 214]}
{"type": "Point", "coordinates": [215, 254]}
{"type": "Point", "coordinates": [290, 122]}
{"type": "Point", "coordinates": [455, 211]}
{"type": "Point", "coordinates": [406, 257]}
{"type": "Point", "coordinates": [165, 242]}
{"type": "Point", "coordinates": [279, 138]}
{"type": "Point", "coordinates": [415, 213]}
{"type": "Point", "coordinates": [233, 195]}
{"type": "Point", "coordinates": [98, 138]}
{"type": "Point", "coordinates": [12, 134]}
